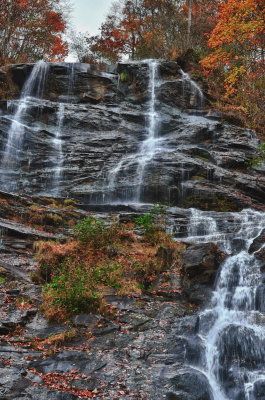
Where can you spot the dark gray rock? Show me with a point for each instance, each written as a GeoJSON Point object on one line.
{"type": "Point", "coordinates": [189, 384]}
{"type": "Point", "coordinates": [259, 390]}
{"type": "Point", "coordinates": [201, 262]}
{"type": "Point", "coordinates": [200, 163]}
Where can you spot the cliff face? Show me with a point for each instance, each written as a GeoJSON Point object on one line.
{"type": "Point", "coordinates": [85, 136]}
{"type": "Point", "coordinates": [139, 133]}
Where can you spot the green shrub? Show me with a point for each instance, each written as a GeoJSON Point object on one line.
{"type": "Point", "coordinates": [69, 202]}
{"type": "Point", "coordinates": [153, 223]}
{"type": "Point", "coordinates": [146, 222]}
{"type": "Point", "coordinates": [73, 289]}
{"type": "Point", "coordinates": [123, 76]}
{"type": "Point", "coordinates": [260, 159]}
{"type": "Point", "coordinates": [94, 232]}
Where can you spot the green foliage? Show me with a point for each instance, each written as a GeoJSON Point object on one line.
{"type": "Point", "coordinates": [260, 159]}
{"type": "Point", "coordinates": [76, 288]}
{"type": "Point", "coordinates": [146, 222]}
{"type": "Point", "coordinates": [108, 275]}
{"type": "Point", "coordinates": [2, 280]}
{"type": "Point", "coordinates": [123, 76]}
{"type": "Point", "coordinates": [152, 223]}
{"type": "Point", "coordinates": [94, 232]}
{"type": "Point", "coordinates": [73, 290]}
{"type": "Point", "coordinates": [69, 202]}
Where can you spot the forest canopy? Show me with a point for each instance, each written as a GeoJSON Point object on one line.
{"type": "Point", "coordinates": [32, 30]}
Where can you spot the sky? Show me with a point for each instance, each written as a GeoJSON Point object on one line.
{"type": "Point", "coordinates": [89, 14]}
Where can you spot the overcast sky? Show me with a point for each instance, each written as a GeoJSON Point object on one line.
{"type": "Point", "coordinates": [89, 14]}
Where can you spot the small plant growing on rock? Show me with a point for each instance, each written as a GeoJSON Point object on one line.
{"type": "Point", "coordinates": [95, 232]}
{"type": "Point", "coordinates": [123, 76]}
{"type": "Point", "coordinates": [153, 223]}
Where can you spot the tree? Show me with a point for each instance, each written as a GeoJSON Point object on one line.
{"type": "Point", "coordinates": [31, 30]}
{"type": "Point", "coordinates": [236, 60]}
{"type": "Point", "coordinates": [156, 28]}
{"type": "Point", "coordinates": [238, 42]}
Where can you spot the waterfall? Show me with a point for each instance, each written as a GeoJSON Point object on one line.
{"type": "Point", "coordinates": [2, 235]}
{"type": "Point", "coordinates": [33, 88]}
{"type": "Point", "coordinates": [57, 143]}
{"type": "Point", "coordinates": [194, 89]}
{"type": "Point", "coordinates": [234, 340]}
{"type": "Point", "coordinates": [148, 147]}
{"type": "Point", "coordinates": [57, 140]}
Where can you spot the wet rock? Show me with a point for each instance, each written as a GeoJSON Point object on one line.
{"type": "Point", "coordinates": [86, 320]}
{"type": "Point", "coordinates": [95, 137]}
{"type": "Point", "coordinates": [259, 390]}
{"type": "Point", "coordinates": [4, 330]}
{"type": "Point", "coordinates": [40, 327]}
{"type": "Point", "coordinates": [260, 298]}
{"type": "Point", "coordinates": [201, 262]}
{"type": "Point", "coordinates": [191, 385]}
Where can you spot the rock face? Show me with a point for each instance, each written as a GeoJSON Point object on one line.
{"type": "Point", "coordinates": [87, 136]}
{"type": "Point", "coordinates": [91, 125]}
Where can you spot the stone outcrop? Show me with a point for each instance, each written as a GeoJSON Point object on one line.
{"type": "Point", "coordinates": [200, 161]}
{"type": "Point", "coordinates": [143, 352]}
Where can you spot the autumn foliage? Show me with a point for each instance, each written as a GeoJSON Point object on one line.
{"type": "Point", "coordinates": [100, 259]}
{"type": "Point", "coordinates": [237, 56]}
{"type": "Point", "coordinates": [154, 28]}
{"type": "Point", "coordinates": [31, 30]}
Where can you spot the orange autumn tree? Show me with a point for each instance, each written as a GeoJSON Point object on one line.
{"type": "Point", "coordinates": [238, 44]}
{"type": "Point", "coordinates": [31, 30]}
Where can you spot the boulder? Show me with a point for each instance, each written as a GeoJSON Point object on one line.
{"type": "Point", "coordinates": [201, 262]}
{"type": "Point", "coordinates": [189, 384]}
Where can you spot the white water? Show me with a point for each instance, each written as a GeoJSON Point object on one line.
{"type": "Point", "coordinates": [57, 140]}
{"type": "Point", "coordinates": [148, 147]}
{"type": "Point", "coordinates": [232, 310]}
{"type": "Point", "coordinates": [33, 87]}
{"type": "Point", "coordinates": [57, 143]}
{"type": "Point", "coordinates": [194, 88]}
{"type": "Point", "coordinates": [2, 234]}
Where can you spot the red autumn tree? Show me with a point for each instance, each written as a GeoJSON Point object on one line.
{"type": "Point", "coordinates": [31, 30]}
{"type": "Point", "coordinates": [237, 42]}
{"type": "Point", "coordinates": [156, 28]}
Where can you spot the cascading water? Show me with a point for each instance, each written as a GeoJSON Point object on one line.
{"type": "Point", "coordinates": [57, 143]}
{"type": "Point", "coordinates": [194, 89]}
{"type": "Point", "coordinates": [231, 328]}
{"type": "Point", "coordinates": [33, 88]}
{"type": "Point", "coordinates": [57, 140]}
{"type": "Point", "coordinates": [148, 147]}
{"type": "Point", "coordinates": [136, 165]}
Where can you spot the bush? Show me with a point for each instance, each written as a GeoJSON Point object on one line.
{"type": "Point", "coordinates": [73, 290]}
{"type": "Point", "coordinates": [94, 232]}
{"type": "Point", "coordinates": [153, 223]}
{"type": "Point", "coordinates": [146, 222]}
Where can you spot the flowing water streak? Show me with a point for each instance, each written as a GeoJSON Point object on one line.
{"type": "Point", "coordinates": [148, 147]}
{"type": "Point", "coordinates": [2, 235]}
{"type": "Point", "coordinates": [233, 304]}
{"type": "Point", "coordinates": [33, 88]}
{"type": "Point", "coordinates": [194, 88]}
{"type": "Point", "coordinates": [57, 140]}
